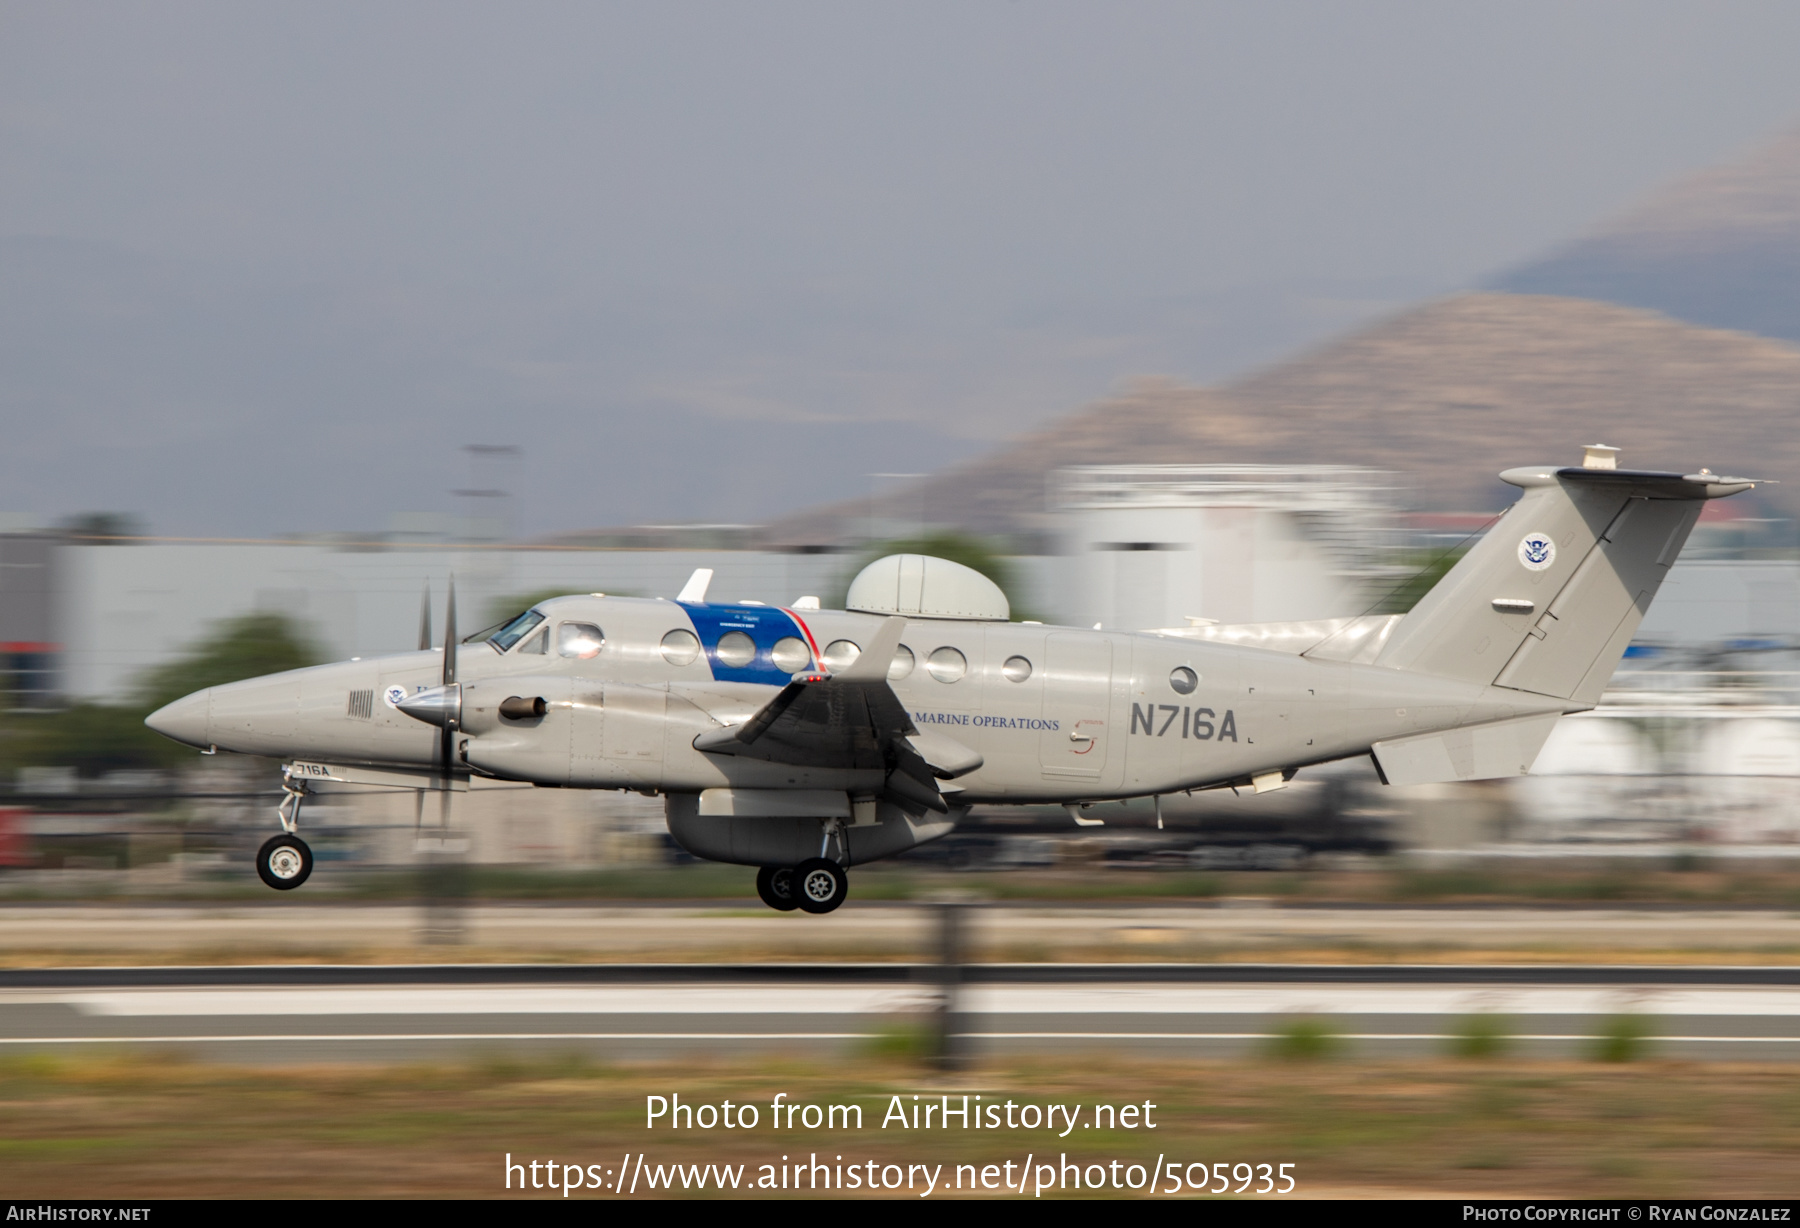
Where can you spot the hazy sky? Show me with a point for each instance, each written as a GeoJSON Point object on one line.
{"type": "Point", "coordinates": [267, 267]}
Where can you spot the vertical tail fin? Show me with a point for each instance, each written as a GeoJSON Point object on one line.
{"type": "Point", "coordinates": [1549, 599]}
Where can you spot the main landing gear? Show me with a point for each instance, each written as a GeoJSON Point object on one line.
{"type": "Point", "coordinates": [775, 884]}
{"type": "Point", "coordinates": [816, 885]}
{"type": "Point", "coordinates": [284, 861]}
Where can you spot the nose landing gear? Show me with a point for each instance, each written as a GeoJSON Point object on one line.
{"type": "Point", "coordinates": [284, 862]}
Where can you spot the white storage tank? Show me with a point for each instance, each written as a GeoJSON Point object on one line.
{"type": "Point", "coordinates": [1149, 546]}
{"type": "Point", "coordinates": [1591, 781]}
{"type": "Point", "coordinates": [1747, 780]}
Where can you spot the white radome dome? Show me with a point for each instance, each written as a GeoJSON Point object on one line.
{"type": "Point", "coordinates": [919, 585]}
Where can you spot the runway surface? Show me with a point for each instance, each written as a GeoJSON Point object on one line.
{"type": "Point", "coordinates": [282, 930]}
{"type": "Point", "coordinates": [621, 1012]}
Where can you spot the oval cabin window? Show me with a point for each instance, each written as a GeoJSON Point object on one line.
{"type": "Point", "coordinates": [736, 649]}
{"type": "Point", "coordinates": [680, 647]}
{"type": "Point", "coordinates": [902, 664]}
{"type": "Point", "coordinates": [790, 655]}
{"type": "Point", "coordinates": [840, 655]}
{"type": "Point", "coordinates": [946, 664]}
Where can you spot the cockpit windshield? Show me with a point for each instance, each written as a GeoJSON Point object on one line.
{"type": "Point", "coordinates": [516, 630]}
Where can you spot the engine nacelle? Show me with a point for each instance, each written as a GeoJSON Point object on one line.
{"type": "Point", "coordinates": [783, 827]}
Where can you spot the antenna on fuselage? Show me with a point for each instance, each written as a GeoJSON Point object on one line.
{"type": "Point", "coordinates": [695, 589]}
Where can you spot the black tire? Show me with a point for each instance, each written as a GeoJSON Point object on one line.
{"type": "Point", "coordinates": [284, 862]}
{"type": "Point", "coordinates": [820, 884]}
{"type": "Point", "coordinates": [773, 885]}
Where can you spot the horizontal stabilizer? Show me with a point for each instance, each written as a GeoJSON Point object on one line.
{"type": "Point", "coordinates": [1474, 752]}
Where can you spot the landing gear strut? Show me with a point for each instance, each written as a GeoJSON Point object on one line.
{"type": "Point", "coordinates": [284, 861]}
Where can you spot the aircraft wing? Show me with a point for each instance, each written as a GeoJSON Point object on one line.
{"type": "Point", "coordinates": [850, 720]}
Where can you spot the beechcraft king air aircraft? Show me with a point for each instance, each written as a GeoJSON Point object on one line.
{"type": "Point", "coordinates": [803, 741]}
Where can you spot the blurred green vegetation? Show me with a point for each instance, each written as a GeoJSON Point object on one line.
{"type": "Point", "coordinates": [104, 524]}
{"type": "Point", "coordinates": [237, 648]}
{"type": "Point", "coordinates": [1481, 1035]}
{"type": "Point", "coordinates": [1621, 1038]}
{"type": "Point", "coordinates": [1427, 568]}
{"type": "Point", "coordinates": [94, 738]}
{"type": "Point", "coordinates": [964, 548]}
{"type": "Point", "coordinates": [1303, 1038]}
{"type": "Point", "coordinates": [901, 1040]}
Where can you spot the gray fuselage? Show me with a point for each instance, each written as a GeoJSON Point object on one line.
{"type": "Point", "coordinates": [1081, 715]}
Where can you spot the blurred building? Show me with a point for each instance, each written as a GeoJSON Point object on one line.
{"type": "Point", "coordinates": [31, 634]}
{"type": "Point", "coordinates": [1163, 545]}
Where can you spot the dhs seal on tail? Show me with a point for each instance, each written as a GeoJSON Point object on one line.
{"type": "Point", "coordinates": [1537, 551]}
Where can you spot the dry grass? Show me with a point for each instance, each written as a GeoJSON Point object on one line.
{"type": "Point", "coordinates": [124, 1127]}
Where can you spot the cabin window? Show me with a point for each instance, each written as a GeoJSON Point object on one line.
{"type": "Point", "coordinates": [790, 654]}
{"type": "Point", "coordinates": [736, 649]}
{"type": "Point", "coordinates": [515, 630]}
{"type": "Point", "coordinates": [579, 640]}
{"type": "Point", "coordinates": [538, 644]}
{"type": "Point", "coordinates": [946, 664]}
{"type": "Point", "coordinates": [840, 655]}
{"type": "Point", "coordinates": [1016, 669]}
{"type": "Point", "coordinates": [901, 665]}
{"type": "Point", "coordinates": [1183, 680]}
{"type": "Point", "coordinates": [680, 647]}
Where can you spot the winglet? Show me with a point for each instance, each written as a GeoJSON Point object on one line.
{"type": "Point", "coordinates": [873, 664]}
{"type": "Point", "coordinates": [695, 589]}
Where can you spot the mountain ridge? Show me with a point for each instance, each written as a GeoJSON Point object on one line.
{"type": "Point", "coordinates": [1718, 247]}
{"type": "Point", "coordinates": [1445, 395]}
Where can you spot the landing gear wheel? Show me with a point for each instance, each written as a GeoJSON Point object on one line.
{"type": "Point", "coordinates": [775, 885]}
{"type": "Point", "coordinates": [284, 862]}
{"type": "Point", "coordinates": [820, 884]}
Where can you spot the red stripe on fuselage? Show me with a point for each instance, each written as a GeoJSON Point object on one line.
{"type": "Point", "coordinates": [807, 632]}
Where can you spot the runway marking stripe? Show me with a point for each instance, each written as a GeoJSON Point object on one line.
{"type": "Point", "coordinates": [426, 1036]}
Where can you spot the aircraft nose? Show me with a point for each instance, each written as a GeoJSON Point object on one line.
{"type": "Point", "coordinates": [188, 719]}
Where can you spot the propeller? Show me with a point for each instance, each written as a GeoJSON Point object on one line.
{"type": "Point", "coordinates": [440, 705]}
{"type": "Point", "coordinates": [447, 740]}
{"type": "Point", "coordinates": [424, 646]}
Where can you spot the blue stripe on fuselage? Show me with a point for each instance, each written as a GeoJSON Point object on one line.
{"type": "Point", "coordinates": [764, 624]}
